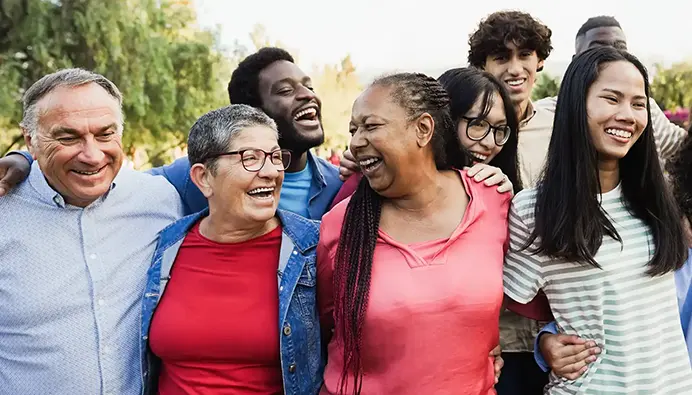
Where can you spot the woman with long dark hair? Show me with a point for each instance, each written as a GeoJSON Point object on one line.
{"type": "Point", "coordinates": [485, 119]}
{"type": "Point", "coordinates": [414, 256]}
{"type": "Point", "coordinates": [601, 233]}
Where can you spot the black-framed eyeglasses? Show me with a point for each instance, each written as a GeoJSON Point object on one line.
{"type": "Point", "coordinates": [253, 159]}
{"type": "Point", "coordinates": [478, 128]}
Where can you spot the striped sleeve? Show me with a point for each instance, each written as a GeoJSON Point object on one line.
{"type": "Point", "coordinates": [523, 273]}
{"type": "Point", "coordinates": [668, 135]}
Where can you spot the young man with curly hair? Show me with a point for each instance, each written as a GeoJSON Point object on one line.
{"type": "Point", "coordinates": [513, 46]}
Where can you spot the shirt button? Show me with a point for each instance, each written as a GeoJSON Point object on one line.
{"type": "Point", "coordinates": [101, 302]}
{"type": "Point", "coordinates": [292, 368]}
{"type": "Point", "coordinates": [92, 256]}
{"type": "Point", "coordinates": [287, 330]}
{"type": "Point", "coordinates": [106, 350]}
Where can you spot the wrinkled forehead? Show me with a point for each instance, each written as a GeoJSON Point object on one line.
{"type": "Point", "coordinates": [73, 105]}
{"type": "Point", "coordinates": [602, 36]}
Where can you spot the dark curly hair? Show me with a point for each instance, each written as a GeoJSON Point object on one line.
{"type": "Point", "coordinates": [244, 85]}
{"type": "Point", "coordinates": [680, 171]}
{"type": "Point", "coordinates": [503, 27]}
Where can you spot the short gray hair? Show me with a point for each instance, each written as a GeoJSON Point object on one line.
{"type": "Point", "coordinates": [64, 77]}
{"type": "Point", "coordinates": [214, 131]}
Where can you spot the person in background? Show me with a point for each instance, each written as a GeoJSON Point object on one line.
{"type": "Point", "coordinates": [485, 119]}
{"type": "Point", "coordinates": [214, 266]}
{"type": "Point", "coordinates": [405, 249]}
{"type": "Point", "coordinates": [513, 46]}
{"type": "Point", "coordinates": [335, 157]}
{"type": "Point", "coordinates": [605, 252]}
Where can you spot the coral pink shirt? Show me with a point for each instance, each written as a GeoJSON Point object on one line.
{"type": "Point", "coordinates": [434, 307]}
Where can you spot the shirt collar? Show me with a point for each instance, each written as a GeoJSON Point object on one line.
{"type": "Point", "coordinates": [531, 112]}
{"type": "Point", "coordinates": [47, 193]}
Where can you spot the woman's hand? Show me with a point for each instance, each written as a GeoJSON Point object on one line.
{"type": "Point", "coordinates": [491, 175]}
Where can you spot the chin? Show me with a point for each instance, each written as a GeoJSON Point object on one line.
{"type": "Point", "coordinates": [263, 215]}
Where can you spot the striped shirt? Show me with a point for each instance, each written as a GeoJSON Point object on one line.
{"type": "Point", "coordinates": [633, 317]}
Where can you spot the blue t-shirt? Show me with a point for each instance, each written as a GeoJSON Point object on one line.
{"type": "Point", "coordinates": [295, 192]}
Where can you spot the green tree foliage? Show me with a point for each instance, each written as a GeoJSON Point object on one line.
{"type": "Point", "coordinates": [169, 70]}
{"type": "Point", "coordinates": [546, 86]}
{"type": "Point", "coordinates": [672, 87]}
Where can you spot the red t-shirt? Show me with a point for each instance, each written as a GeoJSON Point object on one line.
{"type": "Point", "coordinates": [216, 327]}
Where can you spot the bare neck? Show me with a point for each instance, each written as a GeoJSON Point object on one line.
{"type": "Point", "coordinates": [225, 229]}
{"type": "Point", "coordinates": [608, 175]}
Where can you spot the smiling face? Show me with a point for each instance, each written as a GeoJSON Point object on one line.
{"type": "Point", "coordinates": [388, 146]}
{"type": "Point", "coordinates": [485, 150]}
{"type": "Point", "coordinates": [516, 68]}
{"type": "Point", "coordinates": [78, 144]}
{"type": "Point", "coordinates": [247, 196]}
{"type": "Point", "coordinates": [288, 97]}
{"type": "Point", "coordinates": [616, 105]}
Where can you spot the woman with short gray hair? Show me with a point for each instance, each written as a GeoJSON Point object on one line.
{"type": "Point", "coordinates": [229, 324]}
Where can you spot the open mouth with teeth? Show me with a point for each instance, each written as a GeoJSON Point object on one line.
{"type": "Point", "coordinates": [262, 193]}
{"type": "Point", "coordinates": [307, 117]}
{"type": "Point", "coordinates": [479, 157]}
{"type": "Point", "coordinates": [88, 173]}
{"type": "Point", "coordinates": [515, 83]}
{"type": "Point", "coordinates": [620, 134]}
{"type": "Point", "coordinates": [370, 164]}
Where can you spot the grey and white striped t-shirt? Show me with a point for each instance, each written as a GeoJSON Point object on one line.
{"type": "Point", "coordinates": [632, 316]}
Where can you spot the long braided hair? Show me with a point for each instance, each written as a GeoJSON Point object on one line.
{"type": "Point", "coordinates": [417, 94]}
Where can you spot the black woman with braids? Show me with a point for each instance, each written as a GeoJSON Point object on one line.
{"type": "Point", "coordinates": [410, 266]}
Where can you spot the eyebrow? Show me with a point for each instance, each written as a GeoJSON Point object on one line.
{"type": "Point", "coordinates": [75, 132]}
{"type": "Point", "coordinates": [620, 94]}
{"type": "Point", "coordinates": [290, 80]}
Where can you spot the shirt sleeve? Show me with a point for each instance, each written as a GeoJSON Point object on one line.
{"type": "Point", "coordinates": [537, 355]}
{"type": "Point", "coordinates": [683, 284]}
{"type": "Point", "coordinates": [25, 154]}
{"type": "Point", "coordinates": [668, 135]}
{"type": "Point", "coordinates": [523, 276]}
{"type": "Point", "coordinates": [178, 174]}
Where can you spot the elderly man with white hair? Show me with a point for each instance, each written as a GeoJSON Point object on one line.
{"type": "Point", "coordinates": [76, 241]}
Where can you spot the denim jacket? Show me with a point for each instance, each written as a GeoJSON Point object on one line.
{"type": "Point", "coordinates": [302, 359]}
{"type": "Point", "coordinates": [325, 185]}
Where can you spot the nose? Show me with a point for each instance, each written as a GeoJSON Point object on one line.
{"type": "Point", "coordinates": [91, 153]}
{"type": "Point", "coordinates": [357, 142]}
{"type": "Point", "coordinates": [515, 66]}
{"type": "Point", "coordinates": [625, 113]}
{"type": "Point", "coordinates": [304, 93]}
{"type": "Point", "coordinates": [268, 169]}
{"type": "Point", "coordinates": [488, 141]}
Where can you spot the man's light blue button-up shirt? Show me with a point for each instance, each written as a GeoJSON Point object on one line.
{"type": "Point", "coordinates": [71, 281]}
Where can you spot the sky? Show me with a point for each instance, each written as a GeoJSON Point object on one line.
{"type": "Point", "coordinates": [420, 35]}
